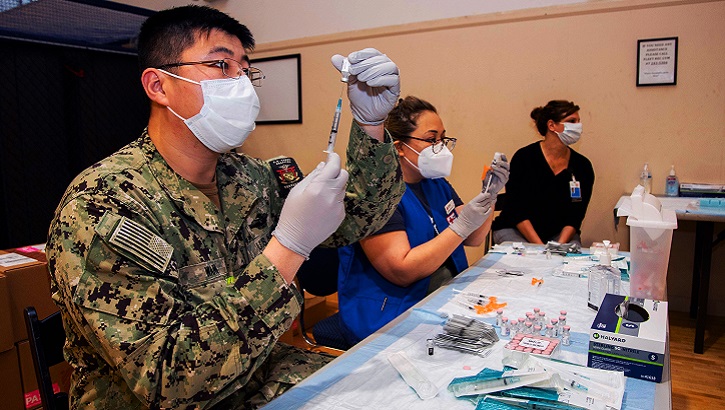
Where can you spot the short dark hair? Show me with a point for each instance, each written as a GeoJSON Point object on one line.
{"type": "Point", "coordinates": [555, 110]}
{"type": "Point", "coordinates": [403, 119]}
{"type": "Point", "coordinates": [166, 34]}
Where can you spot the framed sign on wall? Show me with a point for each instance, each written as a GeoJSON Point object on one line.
{"type": "Point", "coordinates": [657, 61]}
{"type": "Point", "coordinates": [280, 95]}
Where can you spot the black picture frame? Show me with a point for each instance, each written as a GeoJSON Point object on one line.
{"type": "Point", "coordinates": [657, 61]}
{"type": "Point", "coordinates": [280, 95]}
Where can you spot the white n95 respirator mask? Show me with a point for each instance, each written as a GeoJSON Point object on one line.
{"type": "Point", "coordinates": [571, 134]}
{"type": "Point", "coordinates": [433, 165]}
{"type": "Point", "coordinates": [227, 117]}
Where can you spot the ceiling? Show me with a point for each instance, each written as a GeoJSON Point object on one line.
{"type": "Point", "coordinates": [94, 24]}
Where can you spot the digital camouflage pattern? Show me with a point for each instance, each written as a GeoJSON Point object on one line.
{"type": "Point", "coordinates": [167, 301]}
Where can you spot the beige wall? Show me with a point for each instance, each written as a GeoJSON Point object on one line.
{"type": "Point", "coordinates": [486, 73]}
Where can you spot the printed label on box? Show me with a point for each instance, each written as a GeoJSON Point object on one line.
{"type": "Point", "coordinates": [32, 399]}
{"type": "Point", "coordinates": [12, 259]}
{"type": "Point", "coordinates": [534, 343]}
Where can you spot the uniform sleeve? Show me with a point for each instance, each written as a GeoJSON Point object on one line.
{"type": "Point", "coordinates": [374, 189]}
{"type": "Point", "coordinates": [174, 344]}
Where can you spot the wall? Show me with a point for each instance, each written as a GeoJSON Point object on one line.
{"type": "Point", "coordinates": [485, 73]}
{"type": "Point", "coordinates": [279, 20]}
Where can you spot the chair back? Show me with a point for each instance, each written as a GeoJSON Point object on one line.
{"type": "Point", "coordinates": [46, 338]}
{"type": "Point", "coordinates": [318, 274]}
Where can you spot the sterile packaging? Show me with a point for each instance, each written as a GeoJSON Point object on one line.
{"type": "Point", "coordinates": [629, 334]}
{"type": "Point", "coordinates": [602, 280]}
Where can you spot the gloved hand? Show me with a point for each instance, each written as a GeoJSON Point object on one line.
{"type": "Point", "coordinates": [314, 208]}
{"type": "Point", "coordinates": [374, 85]}
{"type": "Point", "coordinates": [500, 174]}
{"type": "Point", "coordinates": [473, 215]}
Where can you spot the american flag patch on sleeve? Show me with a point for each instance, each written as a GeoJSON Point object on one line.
{"type": "Point", "coordinates": [142, 243]}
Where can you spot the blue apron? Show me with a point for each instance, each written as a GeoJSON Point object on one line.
{"type": "Point", "coordinates": [366, 299]}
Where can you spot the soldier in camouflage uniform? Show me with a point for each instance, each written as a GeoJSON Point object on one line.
{"type": "Point", "coordinates": [172, 261]}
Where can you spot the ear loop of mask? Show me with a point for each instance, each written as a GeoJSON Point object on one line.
{"type": "Point", "coordinates": [409, 161]}
{"type": "Point", "coordinates": [183, 79]}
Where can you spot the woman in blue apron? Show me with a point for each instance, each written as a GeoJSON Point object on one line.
{"type": "Point", "coordinates": [421, 246]}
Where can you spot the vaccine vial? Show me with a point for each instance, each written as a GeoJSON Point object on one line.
{"type": "Point", "coordinates": [549, 331]}
{"type": "Point", "coordinates": [554, 328]}
{"type": "Point", "coordinates": [537, 330]}
{"type": "Point", "coordinates": [429, 344]}
{"type": "Point", "coordinates": [529, 329]}
{"type": "Point", "coordinates": [562, 322]}
{"type": "Point", "coordinates": [505, 327]}
{"type": "Point", "coordinates": [566, 336]}
{"type": "Point", "coordinates": [499, 316]}
{"type": "Point", "coordinates": [542, 319]}
{"type": "Point", "coordinates": [562, 313]}
{"type": "Point", "coordinates": [520, 327]}
{"type": "Point", "coordinates": [537, 310]}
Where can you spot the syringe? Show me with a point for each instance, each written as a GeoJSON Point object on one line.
{"type": "Point", "coordinates": [338, 110]}
{"type": "Point", "coordinates": [333, 132]}
{"type": "Point", "coordinates": [496, 158]}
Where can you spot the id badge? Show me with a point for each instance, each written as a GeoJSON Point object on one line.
{"type": "Point", "coordinates": [451, 214]}
{"type": "Point", "coordinates": [575, 191]}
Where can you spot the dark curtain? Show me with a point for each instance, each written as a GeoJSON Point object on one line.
{"type": "Point", "coordinates": [61, 110]}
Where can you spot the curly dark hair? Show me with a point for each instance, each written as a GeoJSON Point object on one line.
{"type": "Point", "coordinates": [166, 34]}
{"type": "Point", "coordinates": [403, 119]}
{"type": "Point", "coordinates": [555, 110]}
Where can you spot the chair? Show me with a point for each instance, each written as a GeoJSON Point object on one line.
{"type": "Point", "coordinates": [318, 276]}
{"type": "Point", "coordinates": [46, 338]}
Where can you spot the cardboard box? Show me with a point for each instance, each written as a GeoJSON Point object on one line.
{"type": "Point", "coordinates": [635, 343]}
{"type": "Point", "coordinates": [6, 324]}
{"type": "Point", "coordinates": [60, 375]}
{"type": "Point", "coordinates": [11, 389]}
{"type": "Point", "coordinates": [28, 284]}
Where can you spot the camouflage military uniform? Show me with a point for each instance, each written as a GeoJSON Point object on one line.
{"type": "Point", "coordinates": [167, 301]}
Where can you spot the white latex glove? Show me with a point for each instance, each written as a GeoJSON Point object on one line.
{"type": "Point", "coordinates": [374, 85]}
{"type": "Point", "coordinates": [498, 174]}
{"type": "Point", "coordinates": [314, 208]}
{"type": "Point", "coordinates": [473, 215]}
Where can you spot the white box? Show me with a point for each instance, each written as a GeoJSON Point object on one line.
{"type": "Point", "coordinates": [628, 344]}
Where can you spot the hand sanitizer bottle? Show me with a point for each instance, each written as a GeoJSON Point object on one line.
{"type": "Point", "coordinates": [645, 179]}
{"type": "Point", "coordinates": [672, 186]}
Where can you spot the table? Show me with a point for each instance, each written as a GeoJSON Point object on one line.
{"type": "Point", "coordinates": [704, 230]}
{"type": "Point", "coordinates": [362, 378]}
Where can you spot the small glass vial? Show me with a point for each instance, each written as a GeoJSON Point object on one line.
{"type": "Point", "coordinates": [549, 331]}
{"type": "Point", "coordinates": [499, 316]}
{"type": "Point", "coordinates": [562, 313]}
{"type": "Point", "coordinates": [566, 336]}
{"type": "Point", "coordinates": [562, 323]}
{"type": "Point", "coordinates": [537, 330]}
{"type": "Point", "coordinates": [505, 326]}
{"type": "Point", "coordinates": [520, 327]}
{"type": "Point", "coordinates": [429, 344]}
{"type": "Point", "coordinates": [542, 319]}
{"type": "Point", "coordinates": [555, 328]}
{"type": "Point", "coordinates": [529, 329]}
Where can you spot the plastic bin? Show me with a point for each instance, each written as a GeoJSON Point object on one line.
{"type": "Point", "coordinates": [650, 243]}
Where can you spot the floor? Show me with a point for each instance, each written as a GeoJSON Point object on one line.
{"type": "Point", "coordinates": [698, 380]}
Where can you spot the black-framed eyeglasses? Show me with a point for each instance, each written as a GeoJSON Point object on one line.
{"type": "Point", "coordinates": [230, 68]}
{"type": "Point", "coordinates": [438, 144]}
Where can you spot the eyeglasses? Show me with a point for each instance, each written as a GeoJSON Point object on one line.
{"type": "Point", "coordinates": [438, 144]}
{"type": "Point", "coordinates": [230, 68]}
